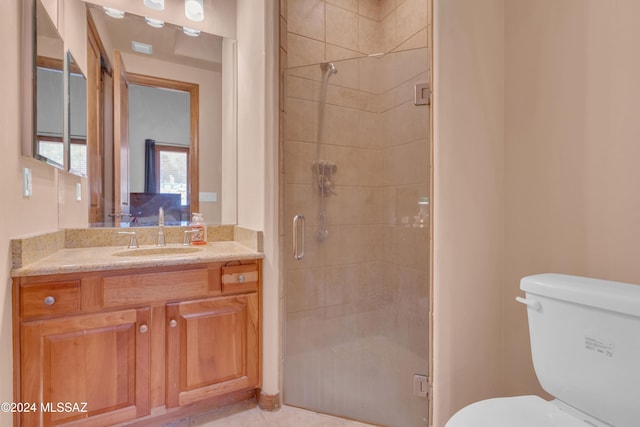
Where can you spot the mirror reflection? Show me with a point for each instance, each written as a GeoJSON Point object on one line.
{"type": "Point", "coordinates": [162, 143]}
{"type": "Point", "coordinates": [49, 118]}
{"type": "Point", "coordinates": [77, 86]}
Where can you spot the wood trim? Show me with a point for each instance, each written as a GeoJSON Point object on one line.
{"type": "Point", "coordinates": [92, 33]}
{"type": "Point", "coordinates": [159, 148]}
{"type": "Point", "coordinates": [269, 402]}
{"type": "Point", "coordinates": [17, 339]}
{"type": "Point", "coordinates": [193, 190]}
{"type": "Point", "coordinates": [51, 63]}
{"type": "Point", "coordinates": [95, 123]}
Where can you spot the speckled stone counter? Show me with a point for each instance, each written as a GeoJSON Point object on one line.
{"type": "Point", "coordinates": [68, 251]}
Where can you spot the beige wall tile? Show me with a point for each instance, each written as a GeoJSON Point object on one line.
{"type": "Point", "coordinates": [372, 131]}
{"type": "Point", "coordinates": [343, 97]}
{"type": "Point", "coordinates": [412, 17]}
{"type": "Point", "coordinates": [347, 75]}
{"type": "Point", "coordinates": [302, 88]}
{"type": "Point", "coordinates": [304, 51]}
{"type": "Point", "coordinates": [351, 5]}
{"type": "Point", "coordinates": [389, 32]}
{"type": "Point", "coordinates": [368, 102]}
{"type": "Point", "coordinates": [311, 72]}
{"type": "Point", "coordinates": [341, 125]}
{"type": "Point", "coordinates": [386, 7]}
{"type": "Point", "coordinates": [408, 122]}
{"type": "Point", "coordinates": [356, 166]}
{"type": "Point", "coordinates": [407, 164]}
{"type": "Point", "coordinates": [368, 35]}
{"type": "Point", "coordinates": [341, 27]}
{"type": "Point", "coordinates": [306, 18]}
{"type": "Point", "coordinates": [369, 8]}
{"type": "Point", "coordinates": [337, 53]}
{"type": "Point", "coordinates": [302, 120]}
{"type": "Point", "coordinates": [299, 156]}
{"type": "Point", "coordinates": [418, 40]}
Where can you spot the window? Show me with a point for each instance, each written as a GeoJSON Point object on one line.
{"type": "Point", "coordinates": [52, 148]}
{"type": "Point", "coordinates": [172, 171]}
{"type": "Point", "coordinates": [78, 153]}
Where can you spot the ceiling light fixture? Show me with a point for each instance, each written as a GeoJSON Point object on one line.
{"type": "Point", "coordinates": [155, 23]}
{"type": "Point", "coordinates": [114, 13]}
{"type": "Point", "coordinates": [154, 4]}
{"type": "Point", "coordinates": [191, 32]}
{"type": "Point", "coordinates": [194, 10]}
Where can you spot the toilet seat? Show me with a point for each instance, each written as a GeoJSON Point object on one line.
{"type": "Point", "coordinates": [520, 411]}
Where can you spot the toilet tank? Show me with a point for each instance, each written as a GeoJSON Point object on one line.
{"type": "Point", "coordinates": [585, 343]}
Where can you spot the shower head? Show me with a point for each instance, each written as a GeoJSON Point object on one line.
{"type": "Point", "coordinates": [332, 68]}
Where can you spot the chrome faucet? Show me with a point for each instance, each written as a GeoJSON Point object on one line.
{"type": "Point", "coordinates": [133, 242]}
{"type": "Point", "coordinates": [161, 241]}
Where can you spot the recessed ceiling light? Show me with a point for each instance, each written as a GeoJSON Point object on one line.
{"type": "Point", "coordinates": [114, 13]}
{"type": "Point", "coordinates": [191, 32]}
{"type": "Point", "coordinates": [194, 10]}
{"type": "Point", "coordinates": [155, 23]}
{"type": "Point", "coordinates": [144, 48]}
{"type": "Point", "coordinates": [154, 4]}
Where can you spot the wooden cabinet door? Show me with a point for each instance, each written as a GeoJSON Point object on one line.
{"type": "Point", "coordinates": [213, 348]}
{"type": "Point", "coordinates": [99, 359]}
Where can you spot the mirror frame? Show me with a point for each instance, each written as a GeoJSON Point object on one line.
{"type": "Point", "coordinates": [29, 71]}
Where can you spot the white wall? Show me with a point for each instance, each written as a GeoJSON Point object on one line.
{"type": "Point", "coordinates": [18, 215]}
{"type": "Point", "coordinates": [468, 202]}
{"type": "Point", "coordinates": [258, 160]}
{"type": "Point", "coordinates": [572, 151]}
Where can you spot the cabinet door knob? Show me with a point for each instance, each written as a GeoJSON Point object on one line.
{"type": "Point", "coordinates": [173, 323]}
{"type": "Point", "coordinates": [241, 278]}
{"type": "Point", "coordinates": [50, 300]}
{"type": "Point", "coordinates": [143, 329]}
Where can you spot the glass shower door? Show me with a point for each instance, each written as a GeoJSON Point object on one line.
{"type": "Point", "coordinates": [356, 162]}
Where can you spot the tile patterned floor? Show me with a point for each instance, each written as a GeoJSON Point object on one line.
{"type": "Point", "coordinates": [287, 416]}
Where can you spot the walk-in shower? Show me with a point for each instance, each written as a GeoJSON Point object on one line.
{"type": "Point", "coordinates": [356, 156]}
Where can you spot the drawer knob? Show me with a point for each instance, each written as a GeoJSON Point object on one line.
{"type": "Point", "coordinates": [173, 323]}
{"type": "Point", "coordinates": [241, 278]}
{"type": "Point", "coordinates": [143, 329]}
{"type": "Point", "coordinates": [49, 300]}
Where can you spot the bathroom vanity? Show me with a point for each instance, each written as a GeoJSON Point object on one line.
{"type": "Point", "coordinates": [142, 339]}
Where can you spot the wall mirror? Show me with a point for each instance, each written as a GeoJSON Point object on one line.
{"type": "Point", "coordinates": [172, 94]}
{"type": "Point", "coordinates": [47, 129]}
{"type": "Point", "coordinates": [77, 117]}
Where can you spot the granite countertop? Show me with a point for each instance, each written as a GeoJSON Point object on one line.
{"type": "Point", "coordinates": [61, 260]}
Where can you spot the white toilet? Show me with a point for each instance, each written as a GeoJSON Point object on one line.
{"type": "Point", "coordinates": [585, 343]}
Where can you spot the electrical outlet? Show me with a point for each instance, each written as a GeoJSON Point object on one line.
{"type": "Point", "coordinates": [420, 385]}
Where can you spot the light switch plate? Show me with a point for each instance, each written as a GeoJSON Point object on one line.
{"type": "Point", "coordinates": [27, 183]}
{"type": "Point", "coordinates": [78, 191]}
{"type": "Point", "coordinates": [420, 385]}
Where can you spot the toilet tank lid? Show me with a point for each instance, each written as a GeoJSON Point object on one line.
{"type": "Point", "coordinates": [604, 294]}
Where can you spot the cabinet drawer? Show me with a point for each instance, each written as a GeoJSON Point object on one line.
{"type": "Point", "coordinates": [144, 288]}
{"type": "Point", "coordinates": [50, 299]}
{"type": "Point", "coordinates": [239, 278]}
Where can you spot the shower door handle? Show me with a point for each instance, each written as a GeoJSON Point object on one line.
{"type": "Point", "coordinates": [298, 243]}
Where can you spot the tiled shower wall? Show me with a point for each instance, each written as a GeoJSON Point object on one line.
{"type": "Point", "coordinates": [364, 291]}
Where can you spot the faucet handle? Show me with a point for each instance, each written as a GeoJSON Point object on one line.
{"type": "Point", "coordinates": [186, 241]}
{"type": "Point", "coordinates": [133, 242]}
